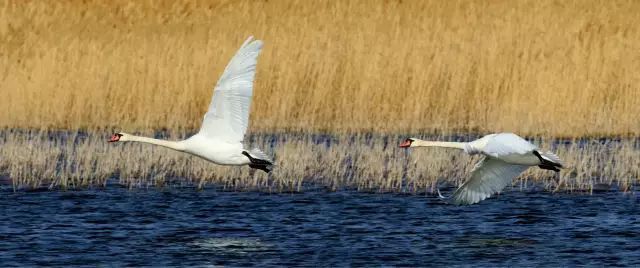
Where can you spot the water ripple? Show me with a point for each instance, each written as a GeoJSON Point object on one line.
{"type": "Point", "coordinates": [183, 227]}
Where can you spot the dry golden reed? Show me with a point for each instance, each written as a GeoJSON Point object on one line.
{"type": "Point", "coordinates": [553, 68]}
{"type": "Point", "coordinates": [303, 162]}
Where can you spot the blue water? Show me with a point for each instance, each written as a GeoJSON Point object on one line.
{"type": "Point", "coordinates": [186, 227]}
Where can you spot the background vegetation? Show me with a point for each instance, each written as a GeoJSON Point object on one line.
{"type": "Point", "coordinates": [553, 68]}
{"type": "Point", "coordinates": [36, 160]}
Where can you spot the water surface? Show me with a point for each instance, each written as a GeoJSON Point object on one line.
{"type": "Point", "coordinates": [185, 227]}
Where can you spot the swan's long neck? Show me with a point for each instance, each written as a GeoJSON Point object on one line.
{"type": "Point", "coordinates": [455, 145]}
{"type": "Point", "coordinates": [178, 146]}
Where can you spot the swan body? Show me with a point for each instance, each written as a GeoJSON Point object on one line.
{"type": "Point", "coordinates": [225, 123]}
{"type": "Point", "coordinates": [221, 153]}
{"type": "Point", "coordinates": [506, 155]}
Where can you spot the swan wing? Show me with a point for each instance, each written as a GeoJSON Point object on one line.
{"type": "Point", "coordinates": [228, 116]}
{"type": "Point", "coordinates": [489, 176]}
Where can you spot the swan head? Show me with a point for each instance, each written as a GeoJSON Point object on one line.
{"type": "Point", "coordinates": [116, 137]}
{"type": "Point", "coordinates": [407, 143]}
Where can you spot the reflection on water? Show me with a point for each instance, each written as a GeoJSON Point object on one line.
{"type": "Point", "coordinates": [231, 245]}
{"type": "Point", "coordinates": [185, 227]}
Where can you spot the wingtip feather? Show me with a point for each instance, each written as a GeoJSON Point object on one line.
{"type": "Point", "coordinates": [252, 42]}
{"type": "Point", "coordinates": [247, 41]}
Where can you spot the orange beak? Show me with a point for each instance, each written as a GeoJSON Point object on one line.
{"type": "Point", "coordinates": [406, 143]}
{"type": "Point", "coordinates": [115, 137]}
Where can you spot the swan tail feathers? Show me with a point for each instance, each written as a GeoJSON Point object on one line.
{"type": "Point", "coordinates": [258, 154]}
{"type": "Point", "coordinates": [549, 161]}
{"type": "Point", "coordinates": [553, 158]}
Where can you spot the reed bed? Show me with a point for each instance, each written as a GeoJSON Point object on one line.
{"type": "Point", "coordinates": [34, 160]}
{"type": "Point", "coordinates": [542, 68]}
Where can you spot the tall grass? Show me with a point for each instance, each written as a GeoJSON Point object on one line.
{"type": "Point", "coordinates": [555, 68]}
{"type": "Point", "coordinates": [303, 162]}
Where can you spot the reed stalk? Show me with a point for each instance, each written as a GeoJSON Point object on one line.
{"type": "Point", "coordinates": [542, 68]}
{"type": "Point", "coordinates": [303, 162]}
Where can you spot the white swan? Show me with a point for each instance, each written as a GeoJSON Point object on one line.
{"type": "Point", "coordinates": [225, 123]}
{"type": "Point", "coordinates": [506, 155]}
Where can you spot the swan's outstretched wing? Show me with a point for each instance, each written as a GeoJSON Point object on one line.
{"type": "Point", "coordinates": [489, 176]}
{"type": "Point", "coordinates": [228, 116]}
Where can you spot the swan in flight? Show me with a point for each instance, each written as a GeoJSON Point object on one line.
{"type": "Point", "coordinates": [225, 123]}
{"type": "Point", "coordinates": [506, 155]}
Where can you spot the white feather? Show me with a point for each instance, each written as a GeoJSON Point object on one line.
{"type": "Point", "coordinates": [257, 153]}
{"type": "Point", "coordinates": [489, 176]}
{"type": "Point", "coordinates": [228, 116]}
{"type": "Point", "coordinates": [552, 157]}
